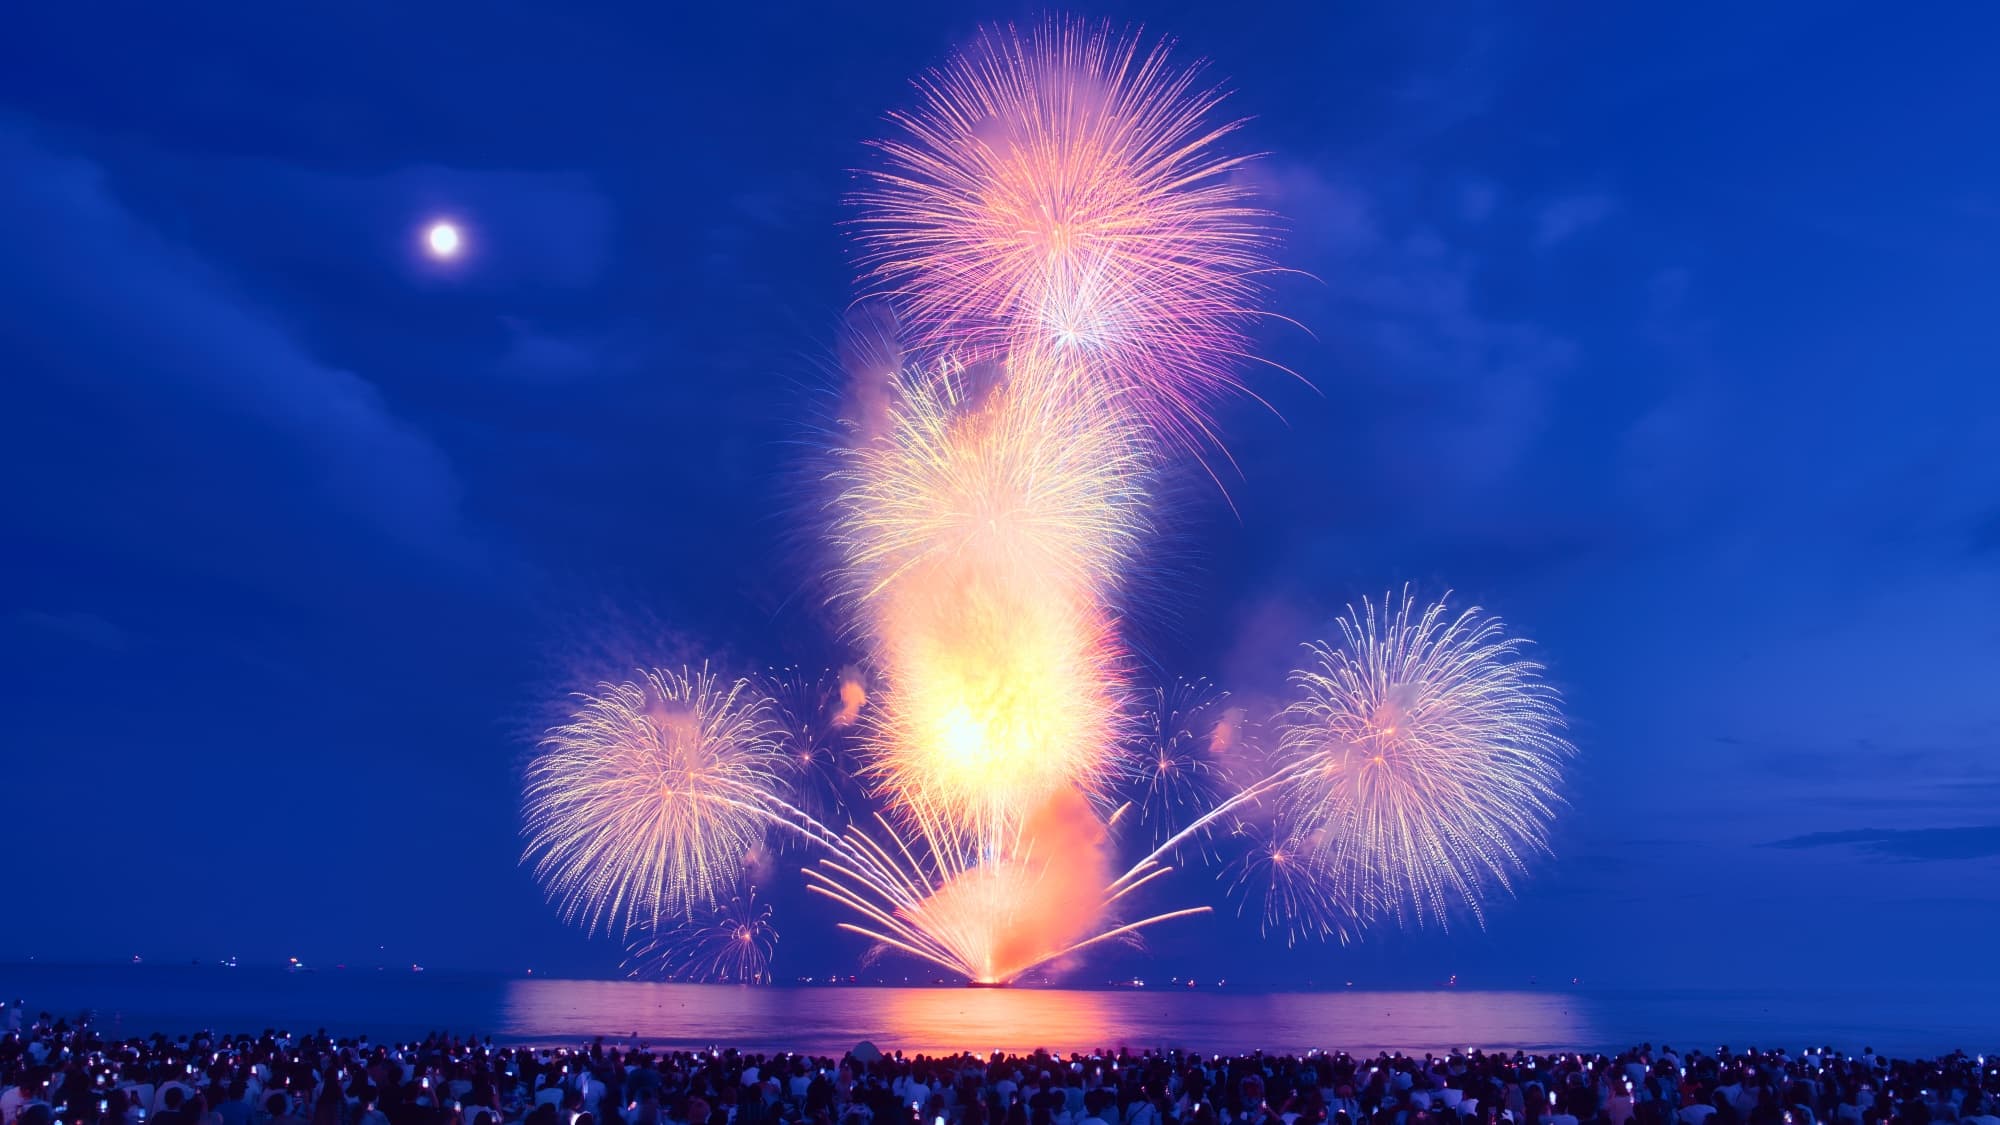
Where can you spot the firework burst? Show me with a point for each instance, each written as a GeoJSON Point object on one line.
{"type": "Point", "coordinates": [996, 468]}
{"type": "Point", "coordinates": [818, 715]}
{"type": "Point", "coordinates": [732, 943]}
{"type": "Point", "coordinates": [1067, 196]}
{"type": "Point", "coordinates": [1421, 759]}
{"type": "Point", "coordinates": [645, 803]}
{"type": "Point", "coordinates": [1177, 769]}
{"type": "Point", "coordinates": [1281, 870]}
{"type": "Point", "coordinates": [982, 533]}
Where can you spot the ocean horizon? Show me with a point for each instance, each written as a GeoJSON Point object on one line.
{"type": "Point", "coordinates": [134, 1000]}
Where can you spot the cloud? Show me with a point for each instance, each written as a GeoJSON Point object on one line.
{"type": "Point", "coordinates": [540, 231]}
{"type": "Point", "coordinates": [1435, 367]}
{"type": "Point", "coordinates": [535, 354]}
{"type": "Point", "coordinates": [102, 305]}
{"type": "Point", "coordinates": [1565, 218]}
{"type": "Point", "coordinates": [1914, 844]}
{"type": "Point", "coordinates": [1477, 199]}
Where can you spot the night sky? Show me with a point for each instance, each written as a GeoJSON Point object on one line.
{"type": "Point", "coordinates": [1668, 335]}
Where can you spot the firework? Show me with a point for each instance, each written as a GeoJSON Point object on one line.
{"type": "Point", "coordinates": [1060, 231]}
{"type": "Point", "coordinates": [645, 803]}
{"type": "Point", "coordinates": [817, 715]}
{"type": "Point", "coordinates": [1280, 870]}
{"type": "Point", "coordinates": [990, 918]}
{"type": "Point", "coordinates": [982, 532]}
{"type": "Point", "coordinates": [733, 943]}
{"type": "Point", "coordinates": [1178, 767]}
{"type": "Point", "coordinates": [1068, 196]}
{"type": "Point", "coordinates": [995, 468]}
{"type": "Point", "coordinates": [1421, 759]}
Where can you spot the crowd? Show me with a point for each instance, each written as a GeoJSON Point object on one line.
{"type": "Point", "coordinates": [56, 1072]}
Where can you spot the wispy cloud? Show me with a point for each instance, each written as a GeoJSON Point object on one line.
{"type": "Point", "coordinates": [163, 325]}
{"type": "Point", "coordinates": [1913, 844]}
{"type": "Point", "coordinates": [1407, 304]}
{"type": "Point", "coordinates": [1564, 218]}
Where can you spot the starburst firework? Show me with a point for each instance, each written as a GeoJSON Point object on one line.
{"type": "Point", "coordinates": [1178, 767]}
{"type": "Point", "coordinates": [644, 804]}
{"type": "Point", "coordinates": [1422, 756]}
{"type": "Point", "coordinates": [731, 943]}
{"type": "Point", "coordinates": [1068, 195]}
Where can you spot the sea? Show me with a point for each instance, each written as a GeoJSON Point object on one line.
{"type": "Point", "coordinates": [394, 1005]}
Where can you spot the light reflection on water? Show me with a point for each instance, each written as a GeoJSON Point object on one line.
{"type": "Point", "coordinates": [832, 1020]}
{"type": "Point", "coordinates": [141, 999]}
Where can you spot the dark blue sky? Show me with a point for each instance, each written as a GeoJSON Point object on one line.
{"type": "Point", "coordinates": [1669, 335]}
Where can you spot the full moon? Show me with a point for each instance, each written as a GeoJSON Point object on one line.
{"type": "Point", "coordinates": [443, 239]}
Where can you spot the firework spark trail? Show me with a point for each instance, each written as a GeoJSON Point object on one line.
{"type": "Point", "coordinates": [1067, 196]}
{"type": "Point", "coordinates": [1425, 754]}
{"type": "Point", "coordinates": [730, 944]}
{"type": "Point", "coordinates": [644, 805]}
{"type": "Point", "coordinates": [1044, 899]}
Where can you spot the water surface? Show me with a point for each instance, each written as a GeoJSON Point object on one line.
{"type": "Point", "coordinates": [390, 1005]}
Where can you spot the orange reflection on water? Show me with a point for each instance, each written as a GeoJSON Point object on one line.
{"type": "Point", "coordinates": [833, 1020]}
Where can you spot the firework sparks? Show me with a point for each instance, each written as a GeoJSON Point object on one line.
{"type": "Point", "coordinates": [982, 532]}
{"type": "Point", "coordinates": [816, 714]}
{"type": "Point", "coordinates": [1009, 475]}
{"type": "Point", "coordinates": [1423, 755]}
{"type": "Point", "coordinates": [644, 804]}
{"type": "Point", "coordinates": [1068, 196]}
{"type": "Point", "coordinates": [1281, 873]}
{"type": "Point", "coordinates": [1059, 227]}
{"type": "Point", "coordinates": [989, 918]}
{"type": "Point", "coordinates": [1177, 767]}
{"type": "Point", "coordinates": [731, 944]}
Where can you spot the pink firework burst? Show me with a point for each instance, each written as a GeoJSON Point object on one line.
{"type": "Point", "coordinates": [1067, 195]}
